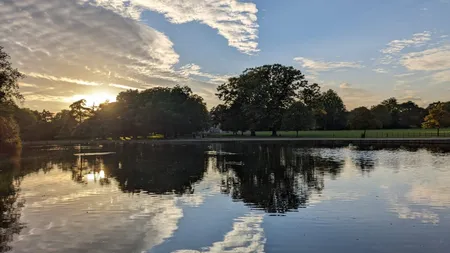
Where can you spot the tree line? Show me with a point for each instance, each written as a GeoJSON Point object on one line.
{"type": "Point", "coordinates": [276, 97]}
{"type": "Point", "coordinates": [269, 97]}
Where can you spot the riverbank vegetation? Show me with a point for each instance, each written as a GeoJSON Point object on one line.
{"type": "Point", "coordinates": [9, 93]}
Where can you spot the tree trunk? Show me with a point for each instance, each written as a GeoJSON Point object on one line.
{"type": "Point", "coordinates": [438, 132]}
{"type": "Point", "coordinates": [242, 133]}
{"type": "Point", "coordinates": [274, 133]}
{"type": "Point", "coordinates": [252, 133]}
{"type": "Point", "coordinates": [297, 133]}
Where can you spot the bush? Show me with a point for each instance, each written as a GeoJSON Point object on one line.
{"type": "Point", "coordinates": [9, 136]}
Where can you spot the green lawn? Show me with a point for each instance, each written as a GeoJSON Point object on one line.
{"type": "Point", "coordinates": [381, 133]}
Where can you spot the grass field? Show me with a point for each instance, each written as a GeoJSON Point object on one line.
{"type": "Point", "coordinates": [381, 133]}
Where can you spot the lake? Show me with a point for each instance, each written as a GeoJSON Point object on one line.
{"type": "Point", "coordinates": [232, 197]}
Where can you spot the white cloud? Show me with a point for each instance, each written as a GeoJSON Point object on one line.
{"type": "Point", "coordinates": [396, 46]}
{"type": "Point", "coordinates": [235, 21]}
{"type": "Point", "coordinates": [404, 75]}
{"type": "Point", "coordinates": [27, 85]}
{"type": "Point", "coordinates": [319, 66]}
{"type": "Point", "coordinates": [125, 87]}
{"type": "Point", "coordinates": [59, 43]}
{"type": "Point", "coordinates": [247, 236]}
{"type": "Point", "coordinates": [194, 70]}
{"type": "Point", "coordinates": [345, 86]}
{"type": "Point", "coordinates": [380, 70]}
{"type": "Point", "coordinates": [428, 60]}
{"type": "Point", "coordinates": [62, 79]}
{"type": "Point", "coordinates": [442, 76]}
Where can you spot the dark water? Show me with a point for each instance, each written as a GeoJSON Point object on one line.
{"type": "Point", "coordinates": [225, 198]}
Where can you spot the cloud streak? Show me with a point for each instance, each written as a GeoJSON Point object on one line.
{"type": "Point", "coordinates": [396, 46]}
{"type": "Point", "coordinates": [322, 66]}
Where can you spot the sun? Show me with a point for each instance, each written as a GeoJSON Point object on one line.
{"type": "Point", "coordinates": [95, 99]}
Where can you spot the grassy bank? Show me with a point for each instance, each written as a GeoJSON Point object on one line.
{"type": "Point", "coordinates": [380, 133]}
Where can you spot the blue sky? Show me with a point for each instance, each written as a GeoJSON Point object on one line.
{"type": "Point", "coordinates": [365, 50]}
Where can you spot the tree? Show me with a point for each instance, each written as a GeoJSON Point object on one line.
{"type": "Point", "coordinates": [298, 117]}
{"type": "Point", "coordinates": [79, 110]}
{"type": "Point", "coordinates": [264, 93]}
{"type": "Point", "coordinates": [362, 118]}
{"type": "Point", "coordinates": [392, 106]}
{"type": "Point", "coordinates": [9, 92]}
{"type": "Point", "coordinates": [381, 113]}
{"type": "Point", "coordinates": [332, 112]}
{"type": "Point", "coordinates": [9, 77]}
{"type": "Point", "coordinates": [9, 136]}
{"type": "Point", "coordinates": [229, 118]}
{"type": "Point", "coordinates": [27, 120]}
{"type": "Point", "coordinates": [437, 117]}
{"type": "Point", "coordinates": [410, 115]}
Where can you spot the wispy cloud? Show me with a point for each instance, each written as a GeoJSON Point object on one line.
{"type": "Point", "coordinates": [193, 70]}
{"type": "Point", "coordinates": [380, 70]}
{"type": "Point", "coordinates": [396, 46]}
{"type": "Point", "coordinates": [404, 75]}
{"type": "Point", "coordinates": [442, 76]}
{"type": "Point", "coordinates": [428, 60]}
{"type": "Point", "coordinates": [62, 79]}
{"type": "Point", "coordinates": [320, 66]}
{"type": "Point", "coordinates": [125, 87]}
{"type": "Point", "coordinates": [236, 21]}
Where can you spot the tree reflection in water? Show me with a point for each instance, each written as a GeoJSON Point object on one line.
{"type": "Point", "coordinates": [10, 203]}
{"type": "Point", "coordinates": [275, 178]}
{"type": "Point", "coordinates": [157, 169]}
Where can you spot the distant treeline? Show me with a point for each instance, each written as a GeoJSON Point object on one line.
{"type": "Point", "coordinates": [270, 97]}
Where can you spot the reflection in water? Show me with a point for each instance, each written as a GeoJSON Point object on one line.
{"type": "Point", "coordinates": [134, 198]}
{"type": "Point", "coordinates": [275, 178]}
{"type": "Point", "coordinates": [10, 204]}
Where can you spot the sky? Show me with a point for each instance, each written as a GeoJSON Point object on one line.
{"type": "Point", "coordinates": [365, 50]}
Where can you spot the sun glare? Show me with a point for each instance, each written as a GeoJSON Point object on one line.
{"type": "Point", "coordinates": [95, 98]}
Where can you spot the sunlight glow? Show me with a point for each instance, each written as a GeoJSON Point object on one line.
{"type": "Point", "coordinates": [94, 98]}
{"type": "Point", "coordinates": [94, 176]}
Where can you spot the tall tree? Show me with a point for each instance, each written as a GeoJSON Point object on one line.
{"type": "Point", "coordinates": [9, 93]}
{"type": "Point", "coordinates": [265, 93]}
{"type": "Point", "coordinates": [298, 117]}
{"type": "Point", "coordinates": [410, 115]}
{"type": "Point", "coordinates": [392, 106]}
{"type": "Point", "coordinates": [362, 118]}
{"type": "Point", "coordinates": [332, 111]}
{"type": "Point", "coordinates": [382, 114]}
{"type": "Point", "coordinates": [9, 77]}
{"type": "Point", "coordinates": [79, 110]}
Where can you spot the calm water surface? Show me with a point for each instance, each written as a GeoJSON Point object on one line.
{"type": "Point", "coordinates": [224, 198]}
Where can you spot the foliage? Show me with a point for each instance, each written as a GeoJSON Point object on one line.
{"type": "Point", "coordinates": [9, 136]}
{"type": "Point", "coordinates": [168, 111]}
{"type": "Point", "coordinates": [382, 114]}
{"type": "Point", "coordinates": [9, 77]}
{"type": "Point", "coordinates": [331, 111]}
{"type": "Point", "coordinates": [410, 115]}
{"type": "Point", "coordinates": [437, 117]}
{"type": "Point", "coordinates": [264, 93]}
{"type": "Point", "coordinates": [297, 117]}
{"type": "Point", "coordinates": [362, 118]}
{"type": "Point", "coordinates": [79, 110]}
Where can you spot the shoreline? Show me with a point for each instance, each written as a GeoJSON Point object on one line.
{"type": "Point", "coordinates": [367, 141]}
